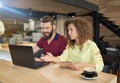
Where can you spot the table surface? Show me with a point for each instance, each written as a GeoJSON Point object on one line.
{"type": "Point", "coordinates": [51, 73]}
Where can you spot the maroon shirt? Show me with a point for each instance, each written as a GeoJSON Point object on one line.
{"type": "Point", "coordinates": [56, 46]}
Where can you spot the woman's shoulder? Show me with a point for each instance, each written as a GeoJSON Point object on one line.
{"type": "Point", "coordinates": [90, 43]}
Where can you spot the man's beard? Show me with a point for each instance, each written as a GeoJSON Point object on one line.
{"type": "Point", "coordinates": [49, 36]}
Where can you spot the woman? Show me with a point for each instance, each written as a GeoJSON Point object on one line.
{"type": "Point", "coordinates": [81, 51]}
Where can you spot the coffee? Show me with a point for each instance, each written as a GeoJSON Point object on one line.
{"type": "Point", "coordinates": [89, 72]}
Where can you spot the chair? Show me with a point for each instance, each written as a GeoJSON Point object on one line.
{"type": "Point", "coordinates": [106, 69]}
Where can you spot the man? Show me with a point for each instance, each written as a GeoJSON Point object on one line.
{"type": "Point", "coordinates": [51, 41]}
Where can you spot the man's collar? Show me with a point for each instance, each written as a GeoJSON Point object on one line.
{"type": "Point", "coordinates": [56, 36]}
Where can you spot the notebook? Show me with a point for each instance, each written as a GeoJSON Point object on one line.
{"type": "Point", "coordinates": [24, 56]}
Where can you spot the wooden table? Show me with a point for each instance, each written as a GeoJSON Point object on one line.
{"type": "Point", "coordinates": [51, 73]}
{"type": "Point", "coordinates": [27, 44]}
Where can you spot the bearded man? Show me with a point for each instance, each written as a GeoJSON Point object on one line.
{"type": "Point", "coordinates": [51, 41]}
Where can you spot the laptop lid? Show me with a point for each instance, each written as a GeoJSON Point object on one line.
{"type": "Point", "coordinates": [24, 56]}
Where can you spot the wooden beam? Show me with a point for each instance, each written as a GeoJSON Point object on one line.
{"type": "Point", "coordinates": [96, 2]}
{"type": "Point", "coordinates": [117, 22]}
{"type": "Point", "coordinates": [103, 4]}
{"type": "Point", "coordinates": [114, 19]}
{"type": "Point", "coordinates": [113, 2]}
{"type": "Point", "coordinates": [81, 4]}
{"type": "Point", "coordinates": [109, 6]}
{"type": "Point", "coordinates": [108, 3]}
{"type": "Point", "coordinates": [117, 7]}
{"type": "Point", "coordinates": [112, 14]}
{"type": "Point", "coordinates": [112, 10]}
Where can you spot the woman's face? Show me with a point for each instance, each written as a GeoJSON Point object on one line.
{"type": "Point", "coordinates": [72, 32]}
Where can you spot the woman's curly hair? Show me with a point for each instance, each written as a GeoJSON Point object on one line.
{"type": "Point", "coordinates": [83, 28]}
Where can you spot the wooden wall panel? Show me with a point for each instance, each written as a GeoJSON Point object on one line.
{"type": "Point", "coordinates": [109, 36]}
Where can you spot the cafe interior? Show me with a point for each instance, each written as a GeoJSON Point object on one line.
{"type": "Point", "coordinates": [20, 24]}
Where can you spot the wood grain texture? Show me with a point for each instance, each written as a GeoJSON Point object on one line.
{"type": "Point", "coordinates": [51, 73]}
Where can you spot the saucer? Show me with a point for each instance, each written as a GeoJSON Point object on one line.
{"type": "Point", "coordinates": [82, 75]}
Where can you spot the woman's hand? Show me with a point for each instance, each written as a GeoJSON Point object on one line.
{"type": "Point", "coordinates": [76, 66]}
{"type": "Point", "coordinates": [80, 66]}
{"type": "Point", "coordinates": [47, 58]}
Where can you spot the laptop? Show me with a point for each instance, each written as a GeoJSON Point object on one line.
{"type": "Point", "coordinates": [24, 56]}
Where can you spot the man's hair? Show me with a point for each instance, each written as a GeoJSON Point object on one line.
{"type": "Point", "coordinates": [82, 26]}
{"type": "Point", "coordinates": [46, 19]}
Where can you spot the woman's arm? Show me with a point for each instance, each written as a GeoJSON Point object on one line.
{"type": "Point", "coordinates": [80, 66]}
{"type": "Point", "coordinates": [50, 58]}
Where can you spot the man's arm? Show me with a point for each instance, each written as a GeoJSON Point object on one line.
{"type": "Point", "coordinates": [50, 58]}
{"type": "Point", "coordinates": [35, 49]}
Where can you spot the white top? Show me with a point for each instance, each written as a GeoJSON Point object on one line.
{"type": "Point", "coordinates": [2, 28]}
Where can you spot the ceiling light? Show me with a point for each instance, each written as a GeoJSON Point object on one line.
{"type": "Point", "coordinates": [0, 4]}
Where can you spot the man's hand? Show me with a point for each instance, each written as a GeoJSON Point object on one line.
{"type": "Point", "coordinates": [47, 58]}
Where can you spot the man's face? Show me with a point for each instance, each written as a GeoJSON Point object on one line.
{"type": "Point", "coordinates": [47, 29]}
